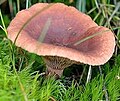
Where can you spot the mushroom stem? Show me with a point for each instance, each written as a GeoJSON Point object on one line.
{"type": "Point", "coordinates": [55, 65]}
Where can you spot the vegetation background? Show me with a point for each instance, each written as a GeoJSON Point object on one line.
{"type": "Point", "coordinates": [22, 73]}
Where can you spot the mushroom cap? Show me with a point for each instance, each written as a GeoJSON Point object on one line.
{"type": "Point", "coordinates": [67, 27]}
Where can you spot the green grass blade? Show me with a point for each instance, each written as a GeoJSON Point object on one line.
{"type": "Point", "coordinates": [4, 27]}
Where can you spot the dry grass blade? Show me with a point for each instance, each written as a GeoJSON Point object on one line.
{"type": "Point", "coordinates": [114, 12]}
{"type": "Point", "coordinates": [44, 30]}
{"type": "Point", "coordinates": [89, 37]}
{"type": "Point", "coordinates": [11, 8]}
{"type": "Point", "coordinates": [2, 28]}
{"type": "Point", "coordinates": [23, 91]}
{"type": "Point", "coordinates": [45, 8]}
{"type": "Point", "coordinates": [97, 15]}
{"type": "Point", "coordinates": [97, 5]}
{"type": "Point", "coordinates": [2, 1]}
{"type": "Point", "coordinates": [93, 9]}
{"type": "Point", "coordinates": [19, 80]}
{"type": "Point", "coordinates": [52, 98]}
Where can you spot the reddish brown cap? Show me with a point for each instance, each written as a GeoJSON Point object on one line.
{"type": "Point", "coordinates": [67, 27]}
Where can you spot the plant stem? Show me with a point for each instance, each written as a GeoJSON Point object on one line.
{"type": "Point", "coordinates": [4, 27]}
{"type": "Point", "coordinates": [18, 5]}
{"type": "Point", "coordinates": [89, 74]}
{"type": "Point", "coordinates": [27, 4]}
{"type": "Point", "coordinates": [104, 87]}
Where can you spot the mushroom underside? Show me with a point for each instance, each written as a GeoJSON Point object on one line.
{"type": "Point", "coordinates": [55, 64]}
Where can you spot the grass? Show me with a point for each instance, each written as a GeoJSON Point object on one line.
{"type": "Point", "coordinates": [22, 73]}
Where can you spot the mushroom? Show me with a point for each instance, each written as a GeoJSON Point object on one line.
{"type": "Point", "coordinates": [62, 36]}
